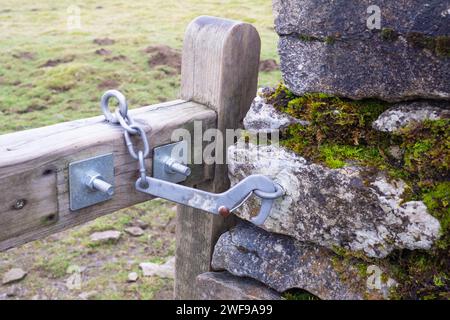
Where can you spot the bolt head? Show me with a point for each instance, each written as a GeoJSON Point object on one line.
{"type": "Point", "coordinates": [20, 204]}
{"type": "Point", "coordinates": [224, 211]}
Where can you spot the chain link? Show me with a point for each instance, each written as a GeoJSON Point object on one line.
{"type": "Point", "coordinates": [130, 127]}
{"type": "Point", "coordinates": [129, 143]}
{"type": "Point", "coordinates": [123, 105]}
{"type": "Point", "coordinates": [125, 121]}
{"type": "Point", "coordinates": [143, 179]}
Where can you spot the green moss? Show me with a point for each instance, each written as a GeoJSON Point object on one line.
{"type": "Point", "coordinates": [440, 45]}
{"type": "Point", "coordinates": [427, 152]}
{"type": "Point", "coordinates": [335, 156]}
{"type": "Point", "coordinates": [443, 46]}
{"type": "Point", "coordinates": [440, 279]}
{"type": "Point", "coordinates": [307, 38]}
{"type": "Point", "coordinates": [421, 41]}
{"type": "Point", "coordinates": [298, 294]}
{"type": "Point", "coordinates": [362, 270]}
{"type": "Point", "coordinates": [340, 133]}
{"type": "Point", "coordinates": [339, 128]}
{"type": "Point", "coordinates": [389, 34]}
{"type": "Point", "coordinates": [330, 40]}
{"type": "Point", "coordinates": [437, 200]}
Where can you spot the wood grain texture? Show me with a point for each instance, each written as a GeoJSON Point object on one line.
{"type": "Point", "coordinates": [219, 69]}
{"type": "Point", "coordinates": [34, 168]}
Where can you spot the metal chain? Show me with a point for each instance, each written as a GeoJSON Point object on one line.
{"type": "Point", "coordinates": [121, 117]}
{"type": "Point", "coordinates": [130, 127]}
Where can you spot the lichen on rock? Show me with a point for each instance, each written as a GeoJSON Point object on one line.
{"type": "Point", "coordinates": [284, 263]}
{"type": "Point", "coordinates": [405, 114]}
{"type": "Point", "coordinates": [263, 117]}
{"type": "Point", "coordinates": [347, 207]}
{"type": "Point", "coordinates": [341, 160]}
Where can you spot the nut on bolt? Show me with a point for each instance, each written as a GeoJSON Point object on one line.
{"type": "Point", "coordinates": [173, 166]}
{"type": "Point", "coordinates": [19, 204]}
{"type": "Point", "coordinates": [96, 182]}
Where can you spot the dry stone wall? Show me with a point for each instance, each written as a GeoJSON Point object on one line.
{"type": "Point", "coordinates": [364, 123]}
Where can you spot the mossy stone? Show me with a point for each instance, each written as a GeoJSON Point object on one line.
{"type": "Point", "coordinates": [340, 132]}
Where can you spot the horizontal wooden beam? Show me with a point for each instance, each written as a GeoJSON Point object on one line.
{"type": "Point", "coordinates": [34, 193]}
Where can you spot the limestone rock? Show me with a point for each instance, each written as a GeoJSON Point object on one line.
{"type": "Point", "coordinates": [87, 295]}
{"type": "Point", "coordinates": [321, 18]}
{"type": "Point", "coordinates": [263, 117]}
{"type": "Point", "coordinates": [166, 270]}
{"type": "Point", "coordinates": [363, 69]}
{"type": "Point", "coordinates": [284, 263]}
{"type": "Point", "coordinates": [401, 115]}
{"type": "Point", "coordinates": [13, 291]}
{"type": "Point", "coordinates": [327, 47]}
{"type": "Point", "coordinates": [348, 207]}
{"type": "Point", "coordinates": [74, 282]}
{"type": "Point", "coordinates": [13, 275]}
{"type": "Point", "coordinates": [132, 277]}
{"type": "Point", "coordinates": [141, 224]}
{"type": "Point", "coordinates": [225, 286]}
{"type": "Point", "coordinates": [106, 236]}
{"type": "Point", "coordinates": [134, 231]}
{"type": "Point", "coordinates": [73, 268]}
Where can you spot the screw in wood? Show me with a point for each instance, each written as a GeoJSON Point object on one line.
{"type": "Point", "coordinates": [20, 204]}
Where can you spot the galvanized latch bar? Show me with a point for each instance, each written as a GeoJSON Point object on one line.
{"type": "Point", "coordinates": [92, 183]}
{"type": "Point", "coordinates": [217, 203]}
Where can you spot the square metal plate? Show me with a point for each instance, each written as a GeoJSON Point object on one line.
{"type": "Point", "coordinates": [81, 195]}
{"type": "Point", "coordinates": [177, 151]}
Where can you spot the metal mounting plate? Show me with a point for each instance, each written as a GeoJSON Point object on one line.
{"type": "Point", "coordinates": [176, 151]}
{"type": "Point", "coordinates": [81, 195]}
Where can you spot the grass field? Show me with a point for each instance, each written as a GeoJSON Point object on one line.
{"type": "Point", "coordinates": [50, 73]}
{"type": "Point", "coordinates": [35, 35]}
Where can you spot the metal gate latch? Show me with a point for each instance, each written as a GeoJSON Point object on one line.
{"type": "Point", "coordinates": [97, 186]}
{"type": "Point", "coordinates": [217, 203]}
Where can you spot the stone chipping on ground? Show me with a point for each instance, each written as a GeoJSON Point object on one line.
{"type": "Point", "coordinates": [166, 270]}
{"type": "Point", "coordinates": [132, 277]}
{"type": "Point", "coordinates": [134, 231]}
{"type": "Point", "coordinates": [13, 275]}
{"type": "Point", "coordinates": [106, 236]}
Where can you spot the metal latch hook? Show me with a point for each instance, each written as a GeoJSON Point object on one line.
{"type": "Point", "coordinates": [217, 203]}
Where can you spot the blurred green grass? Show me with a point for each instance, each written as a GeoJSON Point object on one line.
{"type": "Point", "coordinates": [32, 33]}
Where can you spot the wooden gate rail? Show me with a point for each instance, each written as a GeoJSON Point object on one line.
{"type": "Point", "coordinates": [219, 77]}
{"type": "Point", "coordinates": [34, 168]}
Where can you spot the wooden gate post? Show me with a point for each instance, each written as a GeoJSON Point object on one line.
{"type": "Point", "coordinates": [220, 70]}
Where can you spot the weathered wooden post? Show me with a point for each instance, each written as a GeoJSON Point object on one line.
{"type": "Point", "coordinates": [220, 70]}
